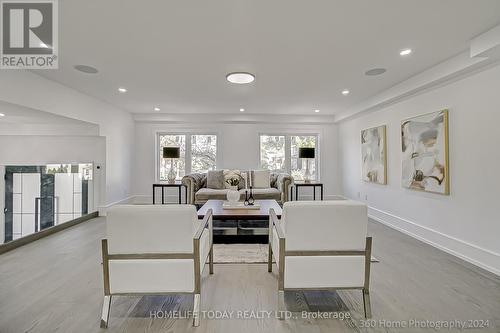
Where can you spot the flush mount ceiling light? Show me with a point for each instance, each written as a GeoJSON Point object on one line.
{"type": "Point", "coordinates": [316, 110]}
{"type": "Point", "coordinates": [86, 69]}
{"type": "Point", "coordinates": [375, 71]}
{"type": "Point", "coordinates": [2, 115]}
{"type": "Point", "coordinates": [240, 77]}
{"type": "Point", "coordinates": [122, 90]}
{"type": "Point", "coordinates": [156, 108]}
{"type": "Point", "coordinates": [405, 52]}
{"type": "Point", "coordinates": [242, 110]}
{"type": "Point", "coordinates": [345, 92]}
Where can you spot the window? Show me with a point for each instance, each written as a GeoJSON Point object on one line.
{"type": "Point", "coordinates": [281, 153]}
{"type": "Point", "coordinates": [272, 152]}
{"type": "Point", "coordinates": [198, 154]}
{"type": "Point", "coordinates": [203, 152]}
{"type": "Point", "coordinates": [166, 140]}
{"type": "Point", "coordinates": [298, 165]}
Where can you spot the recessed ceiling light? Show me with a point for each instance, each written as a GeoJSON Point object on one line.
{"type": "Point", "coordinates": [122, 90]}
{"type": "Point", "coordinates": [345, 92]}
{"type": "Point", "coordinates": [86, 69]}
{"type": "Point", "coordinates": [240, 77]}
{"type": "Point", "coordinates": [405, 52]}
{"type": "Point", "coordinates": [156, 108]}
{"type": "Point", "coordinates": [2, 115]}
{"type": "Point", "coordinates": [375, 71]}
{"type": "Point", "coordinates": [242, 110]}
{"type": "Point", "coordinates": [316, 110]}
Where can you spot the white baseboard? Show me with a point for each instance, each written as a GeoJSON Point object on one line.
{"type": "Point", "coordinates": [103, 209]}
{"type": "Point", "coordinates": [134, 199]}
{"type": "Point", "coordinates": [472, 253]}
{"type": "Point", "coordinates": [148, 199]}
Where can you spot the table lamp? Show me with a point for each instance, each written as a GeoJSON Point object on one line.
{"type": "Point", "coordinates": [306, 153]}
{"type": "Point", "coordinates": [171, 152]}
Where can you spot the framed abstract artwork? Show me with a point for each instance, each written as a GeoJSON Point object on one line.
{"type": "Point", "coordinates": [373, 155]}
{"type": "Point", "coordinates": [424, 144]}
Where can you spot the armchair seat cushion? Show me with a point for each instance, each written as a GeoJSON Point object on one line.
{"type": "Point", "coordinates": [151, 276]}
{"type": "Point", "coordinates": [334, 272]}
{"type": "Point", "coordinates": [263, 193]}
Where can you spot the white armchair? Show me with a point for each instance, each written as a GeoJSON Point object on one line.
{"type": "Point", "coordinates": [155, 249]}
{"type": "Point", "coordinates": [321, 245]}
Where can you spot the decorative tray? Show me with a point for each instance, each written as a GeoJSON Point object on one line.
{"type": "Point", "coordinates": [239, 205]}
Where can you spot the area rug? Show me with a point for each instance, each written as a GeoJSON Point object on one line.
{"type": "Point", "coordinates": [244, 254]}
{"type": "Point", "coordinates": [240, 253]}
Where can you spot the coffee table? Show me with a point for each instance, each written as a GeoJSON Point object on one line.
{"type": "Point", "coordinates": [226, 221]}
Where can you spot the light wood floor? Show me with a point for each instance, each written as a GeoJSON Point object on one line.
{"type": "Point", "coordinates": [55, 285]}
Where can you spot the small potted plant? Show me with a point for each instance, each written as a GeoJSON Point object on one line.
{"type": "Point", "coordinates": [233, 183]}
{"type": "Point", "coordinates": [233, 196]}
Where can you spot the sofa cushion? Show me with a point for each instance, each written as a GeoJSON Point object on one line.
{"type": "Point", "coordinates": [274, 179]}
{"type": "Point", "coordinates": [261, 179]}
{"type": "Point", "coordinates": [205, 194]}
{"type": "Point", "coordinates": [263, 193]}
{"type": "Point", "coordinates": [215, 179]}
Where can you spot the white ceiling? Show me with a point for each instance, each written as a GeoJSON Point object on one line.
{"type": "Point", "coordinates": [176, 54]}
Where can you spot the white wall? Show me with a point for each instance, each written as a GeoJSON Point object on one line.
{"type": "Point", "coordinates": [238, 148]}
{"type": "Point", "coordinates": [33, 91]}
{"type": "Point", "coordinates": [466, 223]}
{"type": "Point", "coordinates": [20, 120]}
{"type": "Point", "coordinates": [40, 150]}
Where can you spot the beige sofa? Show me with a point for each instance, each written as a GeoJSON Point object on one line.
{"type": "Point", "coordinates": [198, 193]}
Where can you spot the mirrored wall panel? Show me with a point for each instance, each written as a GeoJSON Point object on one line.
{"type": "Point", "coordinates": [42, 196]}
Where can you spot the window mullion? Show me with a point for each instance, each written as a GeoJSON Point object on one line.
{"type": "Point", "coordinates": [188, 157]}
{"type": "Point", "coordinates": [288, 153]}
{"type": "Point", "coordinates": [316, 160]}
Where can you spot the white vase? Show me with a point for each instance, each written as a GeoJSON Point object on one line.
{"type": "Point", "coordinates": [171, 174]}
{"type": "Point", "coordinates": [233, 196]}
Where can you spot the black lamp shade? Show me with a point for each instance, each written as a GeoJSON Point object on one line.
{"type": "Point", "coordinates": [171, 152]}
{"type": "Point", "coordinates": [306, 152]}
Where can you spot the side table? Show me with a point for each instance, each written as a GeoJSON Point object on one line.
{"type": "Point", "coordinates": [312, 184]}
{"type": "Point", "coordinates": [179, 186]}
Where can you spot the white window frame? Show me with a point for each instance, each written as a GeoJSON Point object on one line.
{"type": "Point", "coordinates": [188, 156]}
{"type": "Point", "coordinates": [288, 149]}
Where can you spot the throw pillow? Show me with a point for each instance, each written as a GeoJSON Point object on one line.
{"type": "Point", "coordinates": [228, 174]}
{"type": "Point", "coordinates": [215, 179]}
{"type": "Point", "coordinates": [261, 179]}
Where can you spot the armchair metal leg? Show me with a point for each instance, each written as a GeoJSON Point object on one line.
{"type": "Point", "coordinates": [211, 258]}
{"type": "Point", "coordinates": [270, 259]}
{"type": "Point", "coordinates": [196, 310]}
{"type": "Point", "coordinates": [281, 304]}
{"type": "Point", "coordinates": [366, 303]}
{"type": "Point", "coordinates": [105, 311]}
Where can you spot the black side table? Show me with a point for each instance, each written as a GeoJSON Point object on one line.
{"type": "Point", "coordinates": [179, 186]}
{"type": "Point", "coordinates": [312, 184]}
